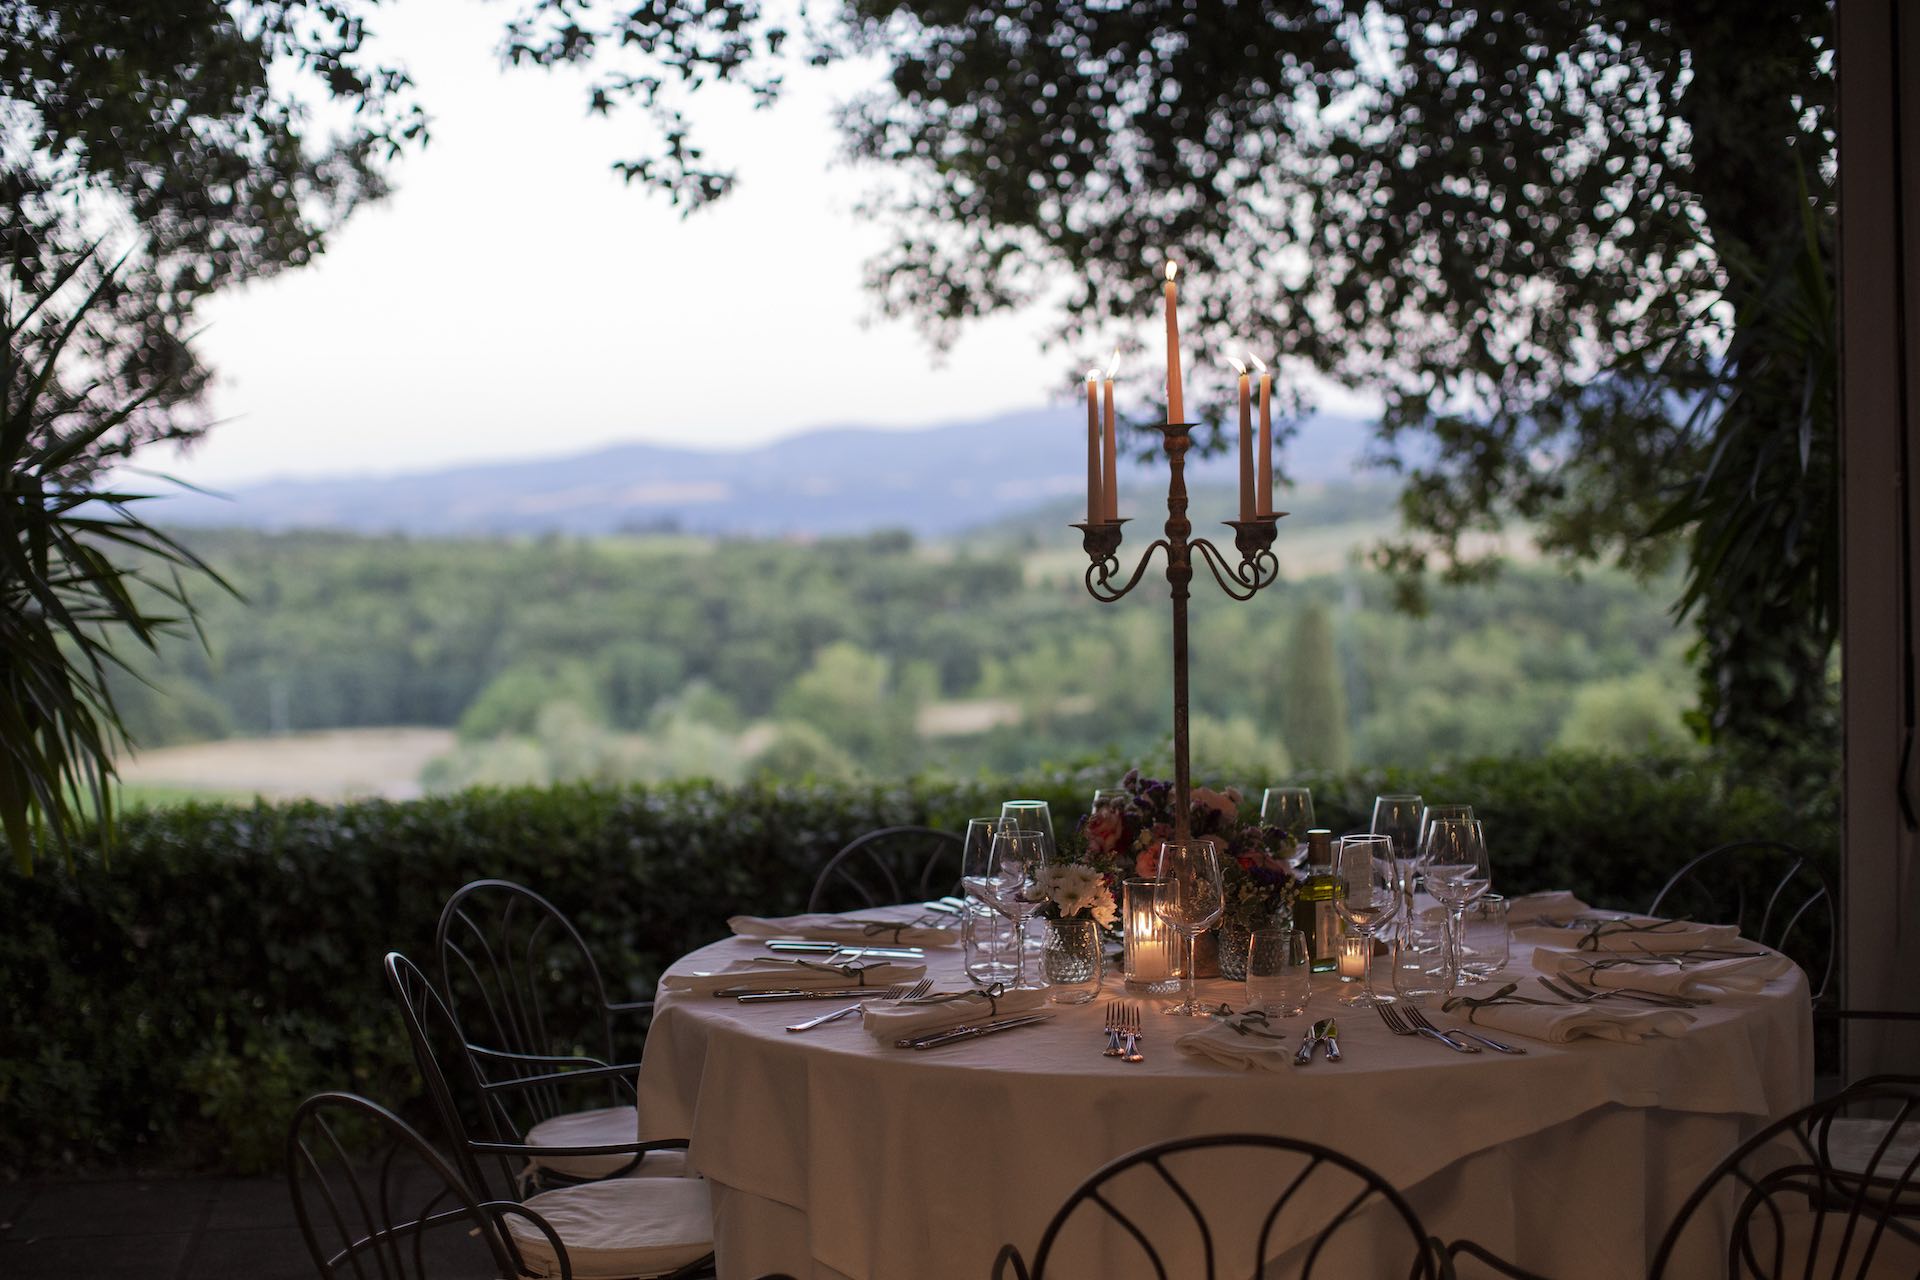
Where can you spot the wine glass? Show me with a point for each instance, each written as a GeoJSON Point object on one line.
{"type": "Point", "coordinates": [1457, 871]}
{"type": "Point", "coordinates": [1189, 895]}
{"type": "Point", "coordinates": [1397, 816]}
{"type": "Point", "coordinates": [1423, 939]}
{"type": "Point", "coordinates": [1018, 858]}
{"type": "Point", "coordinates": [985, 934]}
{"type": "Point", "coordinates": [1290, 809]}
{"type": "Point", "coordinates": [1369, 898]}
{"type": "Point", "coordinates": [1031, 815]}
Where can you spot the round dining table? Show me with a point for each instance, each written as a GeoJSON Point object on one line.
{"type": "Point", "coordinates": [832, 1156]}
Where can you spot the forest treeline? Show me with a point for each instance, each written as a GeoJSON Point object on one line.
{"type": "Point", "coordinates": [656, 657]}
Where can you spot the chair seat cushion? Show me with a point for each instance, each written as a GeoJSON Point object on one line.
{"type": "Point", "coordinates": [604, 1126]}
{"type": "Point", "coordinates": [619, 1228]}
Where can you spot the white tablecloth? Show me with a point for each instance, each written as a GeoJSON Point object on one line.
{"type": "Point", "coordinates": [832, 1156]}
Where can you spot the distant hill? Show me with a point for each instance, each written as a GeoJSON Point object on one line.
{"type": "Point", "coordinates": [829, 481]}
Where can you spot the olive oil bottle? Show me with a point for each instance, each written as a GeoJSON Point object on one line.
{"type": "Point", "coordinates": [1313, 910]}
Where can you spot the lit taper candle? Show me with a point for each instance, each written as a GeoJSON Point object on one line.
{"type": "Point", "coordinates": [1176, 410]}
{"type": "Point", "coordinates": [1266, 437]}
{"type": "Point", "coordinates": [1109, 484]}
{"type": "Point", "coordinates": [1246, 443]}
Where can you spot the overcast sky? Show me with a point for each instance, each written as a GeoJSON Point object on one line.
{"type": "Point", "coordinates": [515, 298]}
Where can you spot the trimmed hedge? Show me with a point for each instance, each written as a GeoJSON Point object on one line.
{"type": "Point", "coordinates": [170, 1007]}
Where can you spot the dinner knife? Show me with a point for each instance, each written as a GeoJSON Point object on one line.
{"type": "Point", "coordinates": [806, 946]}
{"type": "Point", "coordinates": [758, 995]}
{"type": "Point", "coordinates": [937, 1038]}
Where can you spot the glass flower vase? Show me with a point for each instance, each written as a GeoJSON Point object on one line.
{"type": "Point", "coordinates": [1071, 960]}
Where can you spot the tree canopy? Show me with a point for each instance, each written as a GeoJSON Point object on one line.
{"type": "Point", "coordinates": [193, 136]}
{"type": "Point", "coordinates": [1580, 247]}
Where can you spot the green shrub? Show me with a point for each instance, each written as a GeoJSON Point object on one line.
{"type": "Point", "coordinates": [169, 1007]}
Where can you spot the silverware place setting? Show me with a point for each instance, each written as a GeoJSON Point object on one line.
{"type": "Point", "coordinates": [934, 1039]}
{"type": "Point", "coordinates": [898, 993]}
{"type": "Point", "coordinates": [1570, 990]}
{"type": "Point", "coordinates": [1405, 1020]}
{"type": "Point", "coordinates": [1327, 1032]}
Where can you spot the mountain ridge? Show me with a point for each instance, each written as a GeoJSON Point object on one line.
{"type": "Point", "coordinates": [829, 480]}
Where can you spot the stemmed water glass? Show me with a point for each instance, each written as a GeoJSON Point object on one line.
{"type": "Point", "coordinates": [985, 935]}
{"type": "Point", "coordinates": [1397, 816]}
{"type": "Point", "coordinates": [1018, 858]}
{"type": "Point", "coordinates": [1423, 940]}
{"type": "Point", "coordinates": [1290, 809]}
{"type": "Point", "coordinates": [1369, 898]}
{"type": "Point", "coordinates": [1457, 871]}
{"type": "Point", "coordinates": [1189, 895]}
{"type": "Point", "coordinates": [1031, 815]}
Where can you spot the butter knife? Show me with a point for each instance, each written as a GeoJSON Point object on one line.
{"type": "Point", "coordinates": [752, 995]}
{"type": "Point", "coordinates": [952, 1034]}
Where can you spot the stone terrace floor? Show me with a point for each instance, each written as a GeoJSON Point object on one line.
{"type": "Point", "coordinates": [151, 1228]}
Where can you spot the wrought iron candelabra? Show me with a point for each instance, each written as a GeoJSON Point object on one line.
{"type": "Point", "coordinates": [1256, 570]}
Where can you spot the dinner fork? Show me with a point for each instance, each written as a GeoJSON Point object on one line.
{"type": "Point", "coordinates": [1131, 1030]}
{"type": "Point", "coordinates": [1116, 1018]}
{"type": "Point", "coordinates": [1401, 1027]}
{"type": "Point", "coordinates": [1568, 989]}
{"type": "Point", "coordinates": [898, 992]}
{"type": "Point", "coordinates": [1419, 1019]}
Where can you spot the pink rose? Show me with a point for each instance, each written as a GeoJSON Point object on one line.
{"type": "Point", "coordinates": [1147, 865]}
{"type": "Point", "coordinates": [1105, 830]}
{"type": "Point", "coordinates": [1224, 805]}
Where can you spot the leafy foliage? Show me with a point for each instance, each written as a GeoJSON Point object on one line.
{"type": "Point", "coordinates": [78, 571]}
{"type": "Point", "coordinates": [280, 915]}
{"type": "Point", "coordinates": [187, 126]}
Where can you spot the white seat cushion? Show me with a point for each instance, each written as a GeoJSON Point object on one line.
{"type": "Point", "coordinates": [620, 1228]}
{"type": "Point", "coordinates": [603, 1127]}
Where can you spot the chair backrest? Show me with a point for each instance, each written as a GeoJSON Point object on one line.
{"type": "Point", "coordinates": [1773, 891]}
{"type": "Point", "coordinates": [1194, 1208]}
{"type": "Point", "coordinates": [520, 979]}
{"type": "Point", "coordinates": [468, 1110]}
{"type": "Point", "coordinates": [403, 1214]}
{"type": "Point", "coordinates": [1830, 1191]}
{"type": "Point", "coordinates": [893, 864]}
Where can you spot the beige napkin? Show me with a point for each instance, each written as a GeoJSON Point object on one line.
{"type": "Point", "coordinates": [887, 1022]}
{"type": "Point", "coordinates": [1551, 907]}
{"type": "Point", "coordinates": [1248, 1044]}
{"type": "Point", "coordinates": [1559, 1023]}
{"type": "Point", "coordinates": [1676, 976]}
{"type": "Point", "coordinates": [1559, 919]}
{"type": "Point", "coordinates": [854, 930]}
{"type": "Point", "coordinates": [769, 973]}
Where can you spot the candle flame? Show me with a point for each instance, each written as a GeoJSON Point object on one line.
{"type": "Point", "coordinates": [1238, 367]}
{"type": "Point", "coordinates": [1258, 363]}
{"type": "Point", "coordinates": [1172, 269]}
{"type": "Point", "coordinates": [1093, 375]}
{"type": "Point", "coordinates": [1113, 364]}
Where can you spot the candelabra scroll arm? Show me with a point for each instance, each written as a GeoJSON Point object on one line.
{"type": "Point", "coordinates": [1241, 581]}
{"type": "Point", "coordinates": [1100, 574]}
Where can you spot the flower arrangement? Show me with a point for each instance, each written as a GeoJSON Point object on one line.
{"type": "Point", "coordinates": [1073, 889]}
{"type": "Point", "coordinates": [1128, 835]}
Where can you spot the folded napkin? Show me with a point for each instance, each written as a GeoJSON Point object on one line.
{"type": "Point", "coordinates": [854, 931]}
{"type": "Point", "coordinates": [887, 1022]}
{"type": "Point", "coordinates": [1545, 908]}
{"type": "Point", "coordinates": [772, 973]}
{"type": "Point", "coordinates": [1670, 973]}
{"type": "Point", "coordinates": [1559, 919]}
{"type": "Point", "coordinates": [1247, 1041]}
{"type": "Point", "coordinates": [1543, 1019]}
